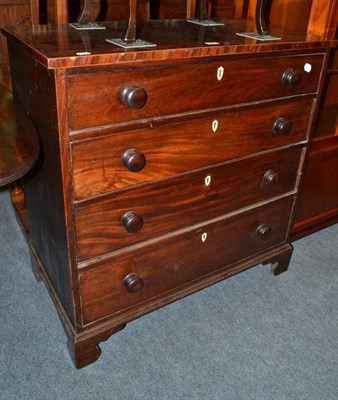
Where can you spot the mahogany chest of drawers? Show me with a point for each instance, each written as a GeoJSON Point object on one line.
{"type": "Point", "coordinates": [162, 170]}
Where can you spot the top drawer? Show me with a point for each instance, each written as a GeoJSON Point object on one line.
{"type": "Point", "coordinates": [96, 98]}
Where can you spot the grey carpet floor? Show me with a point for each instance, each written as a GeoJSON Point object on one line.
{"type": "Point", "coordinates": [253, 336]}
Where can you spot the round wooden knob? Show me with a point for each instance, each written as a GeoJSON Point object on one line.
{"type": "Point", "coordinates": [270, 178]}
{"type": "Point", "coordinates": [133, 283]}
{"type": "Point", "coordinates": [133, 160]}
{"type": "Point", "coordinates": [132, 222]}
{"type": "Point", "coordinates": [291, 78]}
{"type": "Point", "coordinates": [263, 231]}
{"type": "Point", "coordinates": [282, 127]}
{"type": "Point", "coordinates": [134, 97]}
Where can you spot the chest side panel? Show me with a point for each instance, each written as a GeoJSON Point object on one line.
{"type": "Point", "coordinates": [34, 86]}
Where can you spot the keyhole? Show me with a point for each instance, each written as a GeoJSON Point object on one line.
{"type": "Point", "coordinates": [220, 73]}
{"type": "Point", "coordinates": [207, 180]}
{"type": "Point", "coordinates": [214, 125]}
{"type": "Point", "coordinates": [308, 68]}
{"type": "Point", "coordinates": [204, 237]}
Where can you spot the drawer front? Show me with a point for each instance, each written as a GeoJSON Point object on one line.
{"type": "Point", "coordinates": [179, 260]}
{"type": "Point", "coordinates": [131, 216]}
{"type": "Point", "coordinates": [184, 146]}
{"type": "Point", "coordinates": [95, 99]}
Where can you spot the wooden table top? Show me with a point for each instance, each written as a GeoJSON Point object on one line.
{"type": "Point", "coordinates": [61, 46]}
{"type": "Point", "coordinates": [19, 142]}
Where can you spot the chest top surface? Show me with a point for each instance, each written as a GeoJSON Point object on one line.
{"type": "Point", "coordinates": [64, 47]}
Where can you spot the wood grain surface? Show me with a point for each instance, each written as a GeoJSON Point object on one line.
{"type": "Point", "coordinates": [178, 148]}
{"type": "Point", "coordinates": [183, 201]}
{"type": "Point", "coordinates": [179, 260]}
{"type": "Point", "coordinates": [95, 99]}
{"type": "Point", "coordinates": [19, 141]}
{"type": "Point", "coordinates": [57, 46]}
{"type": "Point", "coordinates": [162, 170]}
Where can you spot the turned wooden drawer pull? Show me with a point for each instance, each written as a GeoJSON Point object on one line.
{"type": "Point", "coordinates": [133, 160]}
{"type": "Point", "coordinates": [132, 222]}
{"type": "Point", "coordinates": [282, 127]}
{"type": "Point", "coordinates": [134, 97]}
{"type": "Point", "coordinates": [133, 283]}
{"type": "Point", "coordinates": [291, 78]}
{"type": "Point", "coordinates": [270, 178]}
{"type": "Point", "coordinates": [263, 231]}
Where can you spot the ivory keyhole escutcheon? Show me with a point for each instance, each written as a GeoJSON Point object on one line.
{"type": "Point", "coordinates": [207, 180]}
{"type": "Point", "coordinates": [307, 68]}
{"type": "Point", "coordinates": [214, 125]}
{"type": "Point", "coordinates": [204, 237]}
{"type": "Point", "coordinates": [220, 73]}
